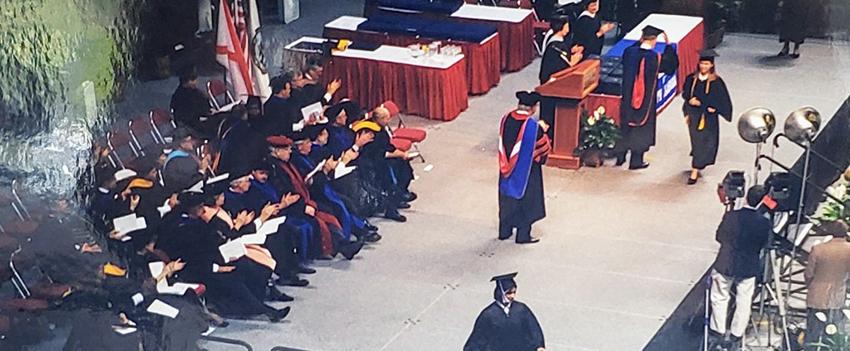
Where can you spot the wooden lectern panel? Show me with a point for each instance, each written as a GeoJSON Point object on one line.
{"type": "Point", "coordinates": [573, 83]}
{"type": "Point", "coordinates": [567, 91]}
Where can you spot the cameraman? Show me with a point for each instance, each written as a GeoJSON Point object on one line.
{"type": "Point", "coordinates": [742, 234]}
{"type": "Point", "coordinates": [826, 275]}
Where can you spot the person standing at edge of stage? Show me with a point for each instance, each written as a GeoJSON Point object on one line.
{"type": "Point", "coordinates": [589, 30]}
{"type": "Point", "coordinates": [706, 99]}
{"type": "Point", "coordinates": [523, 148]}
{"type": "Point", "coordinates": [641, 65]}
{"type": "Point", "coordinates": [506, 324]}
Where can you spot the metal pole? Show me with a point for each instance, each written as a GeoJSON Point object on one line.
{"type": "Point", "coordinates": [799, 220]}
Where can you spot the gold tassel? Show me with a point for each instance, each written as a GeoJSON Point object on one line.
{"type": "Point", "coordinates": [701, 123]}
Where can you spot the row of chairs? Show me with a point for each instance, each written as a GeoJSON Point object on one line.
{"type": "Point", "coordinates": [127, 145]}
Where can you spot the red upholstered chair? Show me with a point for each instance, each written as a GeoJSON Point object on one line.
{"type": "Point", "coordinates": [142, 133]}
{"type": "Point", "coordinates": [402, 133]}
{"type": "Point", "coordinates": [163, 124]}
{"type": "Point", "coordinates": [216, 88]}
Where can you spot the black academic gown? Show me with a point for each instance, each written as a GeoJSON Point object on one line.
{"type": "Point", "coordinates": [555, 59]}
{"type": "Point", "coordinates": [518, 213]}
{"type": "Point", "coordinates": [637, 125]}
{"type": "Point", "coordinates": [188, 105]}
{"type": "Point", "coordinates": [704, 126]}
{"type": "Point", "coordinates": [793, 25]}
{"type": "Point", "coordinates": [584, 32]}
{"type": "Point", "coordinates": [280, 114]}
{"type": "Point", "coordinates": [494, 330]}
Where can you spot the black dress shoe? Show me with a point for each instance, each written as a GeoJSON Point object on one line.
{"type": "Point", "coordinates": [350, 250]}
{"type": "Point", "coordinates": [278, 315]}
{"type": "Point", "coordinates": [640, 166]}
{"type": "Point", "coordinates": [795, 55]}
{"type": "Point", "coordinates": [279, 296]}
{"type": "Point", "coordinates": [372, 237]}
{"type": "Point", "coordinates": [403, 206]}
{"type": "Point", "coordinates": [529, 241]}
{"type": "Point", "coordinates": [409, 196]}
{"type": "Point", "coordinates": [395, 216]}
{"type": "Point", "coordinates": [692, 181]}
{"type": "Point", "coordinates": [292, 281]}
{"type": "Point", "coordinates": [505, 237]}
{"type": "Point", "coordinates": [370, 227]}
{"type": "Point", "coordinates": [621, 161]}
{"type": "Point", "coordinates": [306, 270]}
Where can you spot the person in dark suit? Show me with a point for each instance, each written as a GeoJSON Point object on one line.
{"type": "Point", "coordinates": [188, 103]}
{"type": "Point", "coordinates": [742, 234]}
{"type": "Point", "coordinates": [826, 277]}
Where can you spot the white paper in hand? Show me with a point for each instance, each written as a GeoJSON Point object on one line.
{"type": "Point", "coordinates": [252, 239]}
{"type": "Point", "coordinates": [343, 170]}
{"type": "Point", "coordinates": [314, 171]}
{"type": "Point", "coordinates": [129, 223]}
{"type": "Point", "coordinates": [163, 309]}
{"type": "Point", "coordinates": [313, 113]}
{"type": "Point", "coordinates": [156, 268]}
{"type": "Point", "coordinates": [232, 250]}
{"type": "Point", "coordinates": [270, 226]}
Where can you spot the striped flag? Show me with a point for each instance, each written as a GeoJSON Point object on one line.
{"type": "Point", "coordinates": [239, 50]}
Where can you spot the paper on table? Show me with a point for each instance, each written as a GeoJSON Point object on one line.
{"type": "Point", "coordinates": [270, 226]}
{"type": "Point", "coordinates": [129, 223]}
{"type": "Point", "coordinates": [252, 239]}
{"type": "Point", "coordinates": [315, 170]}
{"type": "Point", "coordinates": [313, 113]}
{"type": "Point", "coordinates": [232, 250]}
{"type": "Point", "coordinates": [163, 309]}
{"type": "Point", "coordinates": [343, 170]}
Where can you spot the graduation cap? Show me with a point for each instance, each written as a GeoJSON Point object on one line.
{"type": "Point", "coordinates": [279, 141]}
{"type": "Point", "coordinates": [651, 31]}
{"type": "Point", "coordinates": [124, 174]}
{"type": "Point", "coordinates": [527, 98]}
{"type": "Point", "coordinates": [708, 55]}
{"type": "Point", "coordinates": [190, 200]}
{"type": "Point", "coordinates": [504, 283]}
{"type": "Point", "coordinates": [586, 3]}
{"type": "Point", "coordinates": [239, 173]}
{"type": "Point", "coordinates": [334, 111]}
{"type": "Point", "coordinates": [301, 137]}
{"type": "Point", "coordinates": [263, 165]}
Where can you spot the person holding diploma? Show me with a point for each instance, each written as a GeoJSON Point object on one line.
{"type": "Point", "coordinates": [706, 99]}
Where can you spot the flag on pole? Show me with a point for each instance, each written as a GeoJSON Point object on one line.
{"type": "Point", "coordinates": [239, 50]}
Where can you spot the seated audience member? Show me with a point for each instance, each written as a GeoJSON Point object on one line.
{"type": "Point", "coordinates": [307, 88]}
{"type": "Point", "coordinates": [188, 103]}
{"type": "Point", "coordinates": [826, 278]}
{"type": "Point", "coordinates": [391, 166]}
{"type": "Point", "coordinates": [241, 137]}
{"type": "Point", "coordinates": [320, 188]}
{"type": "Point", "coordinates": [238, 288]}
{"type": "Point", "coordinates": [282, 111]}
{"type": "Point", "coordinates": [182, 167]}
{"type": "Point", "coordinates": [285, 178]}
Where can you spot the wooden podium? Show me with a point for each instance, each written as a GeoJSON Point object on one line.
{"type": "Point", "coordinates": [568, 88]}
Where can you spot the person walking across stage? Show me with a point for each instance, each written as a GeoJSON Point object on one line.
{"type": "Point", "coordinates": [793, 26]}
{"type": "Point", "coordinates": [589, 30]}
{"type": "Point", "coordinates": [706, 99]}
{"type": "Point", "coordinates": [826, 277]}
{"type": "Point", "coordinates": [641, 65]}
{"type": "Point", "coordinates": [506, 324]}
{"type": "Point", "coordinates": [742, 234]}
{"type": "Point", "coordinates": [523, 147]}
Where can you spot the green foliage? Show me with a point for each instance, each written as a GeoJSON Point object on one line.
{"type": "Point", "coordinates": [598, 131]}
{"type": "Point", "coordinates": [837, 342]}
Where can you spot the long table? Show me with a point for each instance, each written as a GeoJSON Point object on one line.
{"type": "Point", "coordinates": [686, 36]}
{"type": "Point", "coordinates": [483, 58]}
{"type": "Point", "coordinates": [431, 87]}
{"type": "Point", "coordinates": [516, 29]}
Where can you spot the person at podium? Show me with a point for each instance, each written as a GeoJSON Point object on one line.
{"type": "Point", "coordinates": [523, 148]}
{"type": "Point", "coordinates": [641, 65]}
{"type": "Point", "coordinates": [560, 54]}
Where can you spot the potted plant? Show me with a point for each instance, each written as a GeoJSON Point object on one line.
{"type": "Point", "coordinates": [599, 134]}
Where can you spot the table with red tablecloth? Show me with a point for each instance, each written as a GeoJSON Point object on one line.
{"type": "Point", "coordinates": [686, 33]}
{"type": "Point", "coordinates": [483, 59]}
{"type": "Point", "coordinates": [516, 30]}
{"type": "Point", "coordinates": [431, 87]}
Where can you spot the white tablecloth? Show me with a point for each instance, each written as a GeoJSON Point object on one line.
{"type": "Point", "coordinates": [388, 53]}
{"type": "Point", "coordinates": [676, 26]}
{"type": "Point", "coordinates": [491, 13]}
